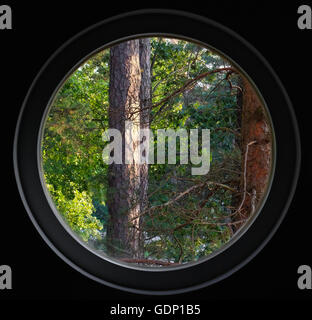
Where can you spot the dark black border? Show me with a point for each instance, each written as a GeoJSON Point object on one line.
{"type": "Point", "coordinates": [185, 25]}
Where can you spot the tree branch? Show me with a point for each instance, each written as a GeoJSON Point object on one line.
{"type": "Point", "coordinates": [149, 261]}
{"type": "Point", "coordinates": [190, 83]}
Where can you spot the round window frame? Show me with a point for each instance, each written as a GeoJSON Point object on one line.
{"type": "Point", "coordinates": [236, 236]}
{"type": "Point", "coordinates": [175, 279]}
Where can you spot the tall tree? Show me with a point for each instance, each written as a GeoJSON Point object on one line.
{"type": "Point", "coordinates": [256, 146]}
{"type": "Point", "coordinates": [145, 103]}
{"type": "Point", "coordinates": [129, 99]}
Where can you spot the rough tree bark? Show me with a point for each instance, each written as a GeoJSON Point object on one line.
{"type": "Point", "coordinates": [256, 146]}
{"type": "Point", "coordinates": [145, 102]}
{"type": "Point", "coordinates": [129, 92]}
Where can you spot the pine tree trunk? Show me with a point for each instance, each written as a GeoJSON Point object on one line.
{"type": "Point", "coordinates": [256, 146]}
{"type": "Point", "coordinates": [129, 87]}
{"type": "Point", "coordinates": [146, 100]}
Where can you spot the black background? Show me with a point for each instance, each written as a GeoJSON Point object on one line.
{"type": "Point", "coordinates": [41, 28]}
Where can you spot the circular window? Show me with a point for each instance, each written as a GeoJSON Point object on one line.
{"type": "Point", "coordinates": [164, 151]}
{"type": "Point", "coordinates": [127, 193]}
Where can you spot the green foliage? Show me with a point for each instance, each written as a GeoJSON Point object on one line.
{"type": "Point", "coordinates": [72, 146]}
{"type": "Point", "coordinates": [77, 213]}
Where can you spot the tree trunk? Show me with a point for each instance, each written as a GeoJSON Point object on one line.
{"type": "Point", "coordinates": [129, 92]}
{"type": "Point", "coordinates": [256, 146]}
{"type": "Point", "coordinates": [146, 101]}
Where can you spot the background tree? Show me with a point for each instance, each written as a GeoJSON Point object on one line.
{"type": "Point", "coordinates": [256, 146]}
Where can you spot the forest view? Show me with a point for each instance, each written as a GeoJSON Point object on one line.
{"type": "Point", "coordinates": [167, 216]}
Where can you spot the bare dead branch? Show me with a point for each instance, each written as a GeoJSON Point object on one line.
{"type": "Point", "coordinates": [149, 261]}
